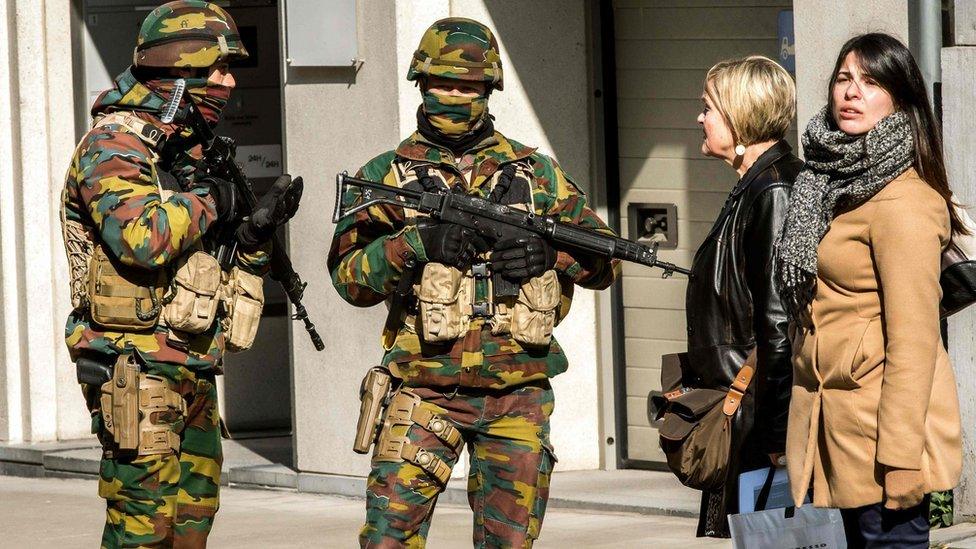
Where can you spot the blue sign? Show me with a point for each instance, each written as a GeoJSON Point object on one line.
{"type": "Point", "coordinates": [786, 41]}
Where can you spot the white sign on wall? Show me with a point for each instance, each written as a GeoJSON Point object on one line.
{"type": "Point", "coordinates": [260, 160]}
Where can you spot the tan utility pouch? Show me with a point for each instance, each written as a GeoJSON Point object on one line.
{"type": "Point", "coordinates": [132, 403]}
{"type": "Point", "coordinates": [122, 297]}
{"type": "Point", "coordinates": [444, 297]}
{"type": "Point", "coordinates": [244, 301]}
{"type": "Point", "coordinates": [531, 318]}
{"type": "Point", "coordinates": [393, 445]}
{"type": "Point", "coordinates": [196, 296]}
{"type": "Point", "coordinates": [372, 395]}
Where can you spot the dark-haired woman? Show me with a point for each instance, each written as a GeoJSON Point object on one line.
{"type": "Point", "coordinates": [874, 418]}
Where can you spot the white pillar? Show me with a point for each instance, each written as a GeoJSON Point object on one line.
{"type": "Point", "coordinates": [959, 125]}
{"type": "Point", "coordinates": [42, 401]}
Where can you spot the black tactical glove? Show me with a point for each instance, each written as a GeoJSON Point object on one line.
{"type": "Point", "coordinates": [521, 258]}
{"type": "Point", "coordinates": [224, 196]}
{"type": "Point", "coordinates": [449, 244]}
{"type": "Point", "coordinates": [273, 210]}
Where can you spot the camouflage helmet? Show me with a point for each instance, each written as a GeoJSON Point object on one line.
{"type": "Point", "coordinates": [458, 48]}
{"type": "Point", "coordinates": [188, 34]}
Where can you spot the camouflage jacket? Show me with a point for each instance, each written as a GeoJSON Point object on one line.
{"type": "Point", "coordinates": [112, 189]}
{"type": "Point", "coordinates": [369, 248]}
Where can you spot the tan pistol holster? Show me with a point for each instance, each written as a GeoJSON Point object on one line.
{"type": "Point", "coordinates": [243, 303]}
{"type": "Point", "coordinates": [372, 395]}
{"type": "Point", "coordinates": [131, 403]}
{"type": "Point", "coordinates": [393, 445]}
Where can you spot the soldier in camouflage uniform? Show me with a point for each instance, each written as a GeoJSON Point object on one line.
{"type": "Point", "coordinates": [484, 388]}
{"type": "Point", "coordinates": [119, 195]}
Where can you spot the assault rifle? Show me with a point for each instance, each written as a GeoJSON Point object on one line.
{"type": "Point", "coordinates": [495, 222]}
{"type": "Point", "coordinates": [219, 161]}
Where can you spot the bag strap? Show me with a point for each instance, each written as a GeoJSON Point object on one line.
{"type": "Point", "coordinates": [767, 487]}
{"type": "Point", "coordinates": [739, 385]}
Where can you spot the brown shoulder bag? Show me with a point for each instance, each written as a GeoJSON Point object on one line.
{"type": "Point", "coordinates": [696, 432]}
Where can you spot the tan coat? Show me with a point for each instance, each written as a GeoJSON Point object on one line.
{"type": "Point", "coordinates": [872, 384]}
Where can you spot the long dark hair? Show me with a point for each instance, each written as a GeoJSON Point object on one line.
{"type": "Point", "coordinates": [892, 66]}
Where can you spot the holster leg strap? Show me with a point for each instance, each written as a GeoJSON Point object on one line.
{"type": "Point", "coordinates": [155, 397]}
{"type": "Point", "coordinates": [404, 410]}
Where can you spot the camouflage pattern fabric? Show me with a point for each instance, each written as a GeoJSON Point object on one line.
{"type": "Point", "coordinates": [458, 48]}
{"type": "Point", "coordinates": [188, 34]}
{"type": "Point", "coordinates": [507, 436]}
{"type": "Point", "coordinates": [112, 189]}
{"type": "Point", "coordinates": [164, 500]}
{"type": "Point", "coordinates": [454, 114]}
{"type": "Point", "coordinates": [369, 248]}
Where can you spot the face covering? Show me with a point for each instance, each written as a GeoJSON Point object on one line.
{"type": "Point", "coordinates": [210, 98]}
{"type": "Point", "coordinates": [454, 115]}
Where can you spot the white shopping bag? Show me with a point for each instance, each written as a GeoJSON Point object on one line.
{"type": "Point", "coordinates": [806, 526]}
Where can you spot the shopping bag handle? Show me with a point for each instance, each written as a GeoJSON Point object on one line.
{"type": "Point", "coordinates": [767, 486]}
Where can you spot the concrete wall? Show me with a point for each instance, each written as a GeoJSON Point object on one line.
{"type": "Point", "coordinates": [40, 399]}
{"type": "Point", "coordinates": [959, 115]}
{"type": "Point", "coordinates": [545, 103]}
{"type": "Point", "coordinates": [822, 27]}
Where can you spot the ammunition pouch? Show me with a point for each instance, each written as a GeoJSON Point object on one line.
{"type": "Point", "coordinates": [393, 445]}
{"type": "Point", "coordinates": [131, 405]}
{"type": "Point", "coordinates": [196, 294]}
{"type": "Point", "coordinates": [79, 247]}
{"type": "Point", "coordinates": [531, 316]}
{"type": "Point", "coordinates": [243, 302]}
{"type": "Point", "coordinates": [444, 297]}
{"type": "Point", "coordinates": [373, 393]}
{"type": "Point", "coordinates": [121, 297]}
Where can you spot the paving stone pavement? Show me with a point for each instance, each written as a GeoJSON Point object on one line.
{"type": "Point", "coordinates": [72, 515]}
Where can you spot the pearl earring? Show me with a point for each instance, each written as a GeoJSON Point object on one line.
{"type": "Point", "coordinates": [740, 150]}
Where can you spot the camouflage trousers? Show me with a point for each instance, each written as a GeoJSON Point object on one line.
{"type": "Point", "coordinates": [166, 500]}
{"type": "Point", "coordinates": [507, 436]}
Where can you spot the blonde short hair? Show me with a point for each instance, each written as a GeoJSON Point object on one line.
{"type": "Point", "coordinates": [756, 96]}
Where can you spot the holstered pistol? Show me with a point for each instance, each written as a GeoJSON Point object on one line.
{"type": "Point", "coordinates": [120, 403]}
{"type": "Point", "coordinates": [373, 396]}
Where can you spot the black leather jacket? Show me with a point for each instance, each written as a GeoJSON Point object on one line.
{"type": "Point", "coordinates": [733, 305]}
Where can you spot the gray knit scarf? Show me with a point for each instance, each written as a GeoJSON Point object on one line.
{"type": "Point", "coordinates": [841, 171]}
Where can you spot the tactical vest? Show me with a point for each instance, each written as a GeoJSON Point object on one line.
{"type": "Point", "coordinates": [185, 298]}
{"type": "Point", "coordinates": [448, 300]}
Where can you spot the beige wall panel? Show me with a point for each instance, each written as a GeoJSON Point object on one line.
{"type": "Point", "coordinates": [641, 381]}
{"type": "Point", "coordinates": [646, 353]}
{"type": "Point", "coordinates": [654, 323]}
{"type": "Point", "coordinates": [675, 54]}
{"type": "Point", "coordinates": [655, 293]}
{"type": "Point", "coordinates": [659, 83]}
{"type": "Point", "coordinates": [659, 113]}
{"type": "Point", "coordinates": [641, 143]}
{"type": "Point", "coordinates": [637, 411]}
{"type": "Point", "coordinates": [643, 444]}
{"type": "Point", "coordinates": [693, 174]}
{"type": "Point", "coordinates": [703, 24]}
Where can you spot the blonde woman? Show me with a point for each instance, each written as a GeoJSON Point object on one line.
{"type": "Point", "coordinates": [733, 305]}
